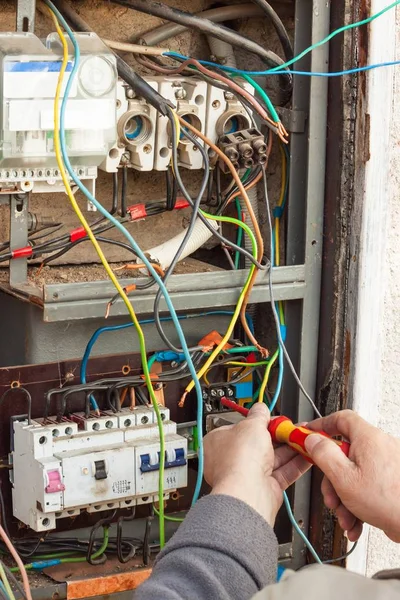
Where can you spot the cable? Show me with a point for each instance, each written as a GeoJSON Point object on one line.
{"type": "Point", "coordinates": [275, 313]}
{"type": "Point", "coordinates": [28, 398]}
{"type": "Point", "coordinates": [135, 48]}
{"type": "Point", "coordinates": [124, 191]}
{"type": "Point", "coordinates": [59, 140]}
{"type": "Point", "coordinates": [6, 583]}
{"type": "Point", "coordinates": [168, 517]}
{"type": "Point", "coordinates": [219, 31]}
{"type": "Point", "coordinates": [19, 562]}
{"type": "Point", "coordinates": [144, 259]}
{"type": "Point", "coordinates": [135, 81]}
{"type": "Point", "coordinates": [340, 558]}
{"type": "Point", "coordinates": [14, 581]}
{"type": "Point", "coordinates": [298, 529]}
{"type": "Point", "coordinates": [114, 206]}
{"type": "Point", "coordinates": [278, 26]}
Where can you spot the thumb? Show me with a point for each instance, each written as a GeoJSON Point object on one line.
{"type": "Point", "coordinates": [327, 456]}
{"type": "Point", "coordinates": [259, 411]}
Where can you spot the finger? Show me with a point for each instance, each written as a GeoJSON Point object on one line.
{"type": "Point", "coordinates": [355, 533]}
{"type": "Point", "coordinates": [290, 472]}
{"type": "Point", "coordinates": [343, 422]}
{"type": "Point", "coordinates": [283, 454]}
{"type": "Point", "coordinates": [329, 458]}
{"type": "Point", "coordinates": [331, 499]}
{"type": "Point", "coordinates": [345, 518]}
{"type": "Point", "coordinates": [260, 412]}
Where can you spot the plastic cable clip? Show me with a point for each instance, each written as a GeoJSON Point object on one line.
{"type": "Point", "coordinates": [77, 234]}
{"type": "Point", "coordinates": [137, 211]}
{"type": "Point", "coordinates": [22, 252]}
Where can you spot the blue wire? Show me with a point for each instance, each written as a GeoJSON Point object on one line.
{"type": "Point", "coordinates": [299, 530]}
{"type": "Point", "coordinates": [279, 383]}
{"type": "Point", "coordinates": [3, 589]}
{"type": "Point", "coordinates": [98, 332]}
{"type": "Point", "coordinates": [286, 71]}
{"type": "Point", "coordinates": [135, 247]}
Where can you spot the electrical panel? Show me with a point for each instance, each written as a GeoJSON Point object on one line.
{"type": "Point", "coordinates": [92, 464]}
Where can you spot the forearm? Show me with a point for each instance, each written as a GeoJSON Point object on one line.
{"type": "Point", "coordinates": [224, 549]}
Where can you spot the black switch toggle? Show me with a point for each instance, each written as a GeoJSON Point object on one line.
{"type": "Point", "coordinates": [100, 469]}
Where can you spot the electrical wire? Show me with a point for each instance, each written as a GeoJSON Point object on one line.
{"type": "Point", "coordinates": [28, 398]}
{"type": "Point", "coordinates": [135, 48]}
{"type": "Point", "coordinates": [14, 581]}
{"type": "Point", "coordinates": [6, 583]}
{"type": "Point", "coordinates": [168, 517]}
{"type": "Point", "coordinates": [299, 531]}
{"type": "Point", "coordinates": [19, 562]}
{"type": "Point", "coordinates": [141, 255]}
{"type": "Point", "coordinates": [278, 26]}
{"type": "Point", "coordinates": [59, 142]}
{"type": "Point", "coordinates": [331, 561]}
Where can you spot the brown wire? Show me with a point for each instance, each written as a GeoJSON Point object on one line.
{"type": "Point", "coordinates": [243, 193]}
{"type": "Point", "coordinates": [277, 127]}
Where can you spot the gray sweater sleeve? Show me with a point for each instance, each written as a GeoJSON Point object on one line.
{"type": "Point", "coordinates": [224, 550]}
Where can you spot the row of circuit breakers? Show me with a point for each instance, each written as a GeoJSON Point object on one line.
{"type": "Point", "coordinates": [106, 124]}
{"type": "Point", "coordinates": [94, 464]}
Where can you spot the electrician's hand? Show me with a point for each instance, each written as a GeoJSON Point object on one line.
{"type": "Point", "coordinates": [240, 461]}
{"type": "Point", "coordinates": [364, 487]}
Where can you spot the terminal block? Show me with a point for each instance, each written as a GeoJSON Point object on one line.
{"type": "Point", "coordinates": [92, 464]}
{"type": "Point", "coordinates": [244, 148]}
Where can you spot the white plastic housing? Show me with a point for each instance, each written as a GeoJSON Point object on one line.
{"type": "Point", "coordinates": [190, 97]}
{"type": "Point", "coordinates": [136, 127]}
{"type": "Point", "coordinates": [29, 72]}
{"type": "Point", "coordinates": [95, 464]}
{"type": "Point", "coordinates": [225, 114]}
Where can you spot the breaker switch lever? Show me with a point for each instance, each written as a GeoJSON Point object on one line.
{"type": "Point", "coordinates": [54, 483]}
{"type": "Point", "coordinates": [100, 469]}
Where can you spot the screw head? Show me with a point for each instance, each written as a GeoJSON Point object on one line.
{"type": "Point", "coordinates": [213, 393]}
{"type": "Point", "coordinates": [180, 93]}
{"type": "Point", "coordinates": [130, 93]}
{"type": "Point", "coordinates": [228, 96]}
{"type": "Point", "coordinates": [216, 104]}
{"type": "Point", "coordinates": [220, 393]}
{"type": "Point", "coordinates": [229, 392]}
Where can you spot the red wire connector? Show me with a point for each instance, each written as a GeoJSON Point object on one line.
{"type": "Point", "coordinates": [181, 203]}
{"type": "Point", "coordinates": [137, 211]}
{"type": "Point", "coordinates": [77, 234]}
{"type": "Point", "coordinates": [22, 252]}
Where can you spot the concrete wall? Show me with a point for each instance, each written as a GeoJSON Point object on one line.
{"type": "Point", "coordinates": [377, 388]}
{"type": "Point", "coordinates": [381, 552]}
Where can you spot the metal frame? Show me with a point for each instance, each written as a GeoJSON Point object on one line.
{"type": "Point", "coordinates": [299, 283]}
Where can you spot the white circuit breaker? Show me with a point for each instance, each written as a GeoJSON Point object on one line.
{"type": "Point", "coordinates": [29, 72]}
{"type": "Point", "coordinates": [92, 464]}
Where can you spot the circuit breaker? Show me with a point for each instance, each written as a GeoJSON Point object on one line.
{"type": "Point", "coordinates": [92, 464]}
{"type": "Point", "coordinates": [29, 72]}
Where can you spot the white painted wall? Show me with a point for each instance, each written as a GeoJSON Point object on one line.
{"type": "Point", "coordinates": [377, 380]}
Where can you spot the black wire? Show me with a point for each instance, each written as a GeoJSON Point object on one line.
{"type": "Point", "coordinates": [204, 154]}
{"type": "Point", "coordinates": [122, 557]}
{"type": "Point", "coordinates": [278, 26]}
{"type": "Point", "coordinates": [343, 557]}
{"type": "Point", "coordinates": [11, 577]}
{"type": "Point", "coordinates": [114, 206]}
{"type": "Point", "coordinates": [188, 234]}
{"type": "Point", "coordinates": [124, 190]}
{"type": "Point", "coordinates": [172, 189]}
{"type": "Point", "coordinates": [216, 30]}
{"type": "Point", "coordinates": [28, 399]}
{"type": "Point", "coordinates": [146, 540]}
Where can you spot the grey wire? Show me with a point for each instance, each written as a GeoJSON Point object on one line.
{"type": "Point", "coordinates": [275, 312]}
{"type": "Point", "coordinates": [340, 558]}
{"type": "Point", "coordinates": [14, 580]}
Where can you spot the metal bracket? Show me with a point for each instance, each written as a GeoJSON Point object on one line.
{"type": "Point", "coordinates": [18, 237]}
{"type": "Point", "coordinates": [293, 120]}
{"type": "Point", "coordinates": [26, 15]}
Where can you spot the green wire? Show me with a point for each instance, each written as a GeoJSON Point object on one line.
{"type": "Point", "coordinates": [266, 374]}
{"type": "Point", "coordinates": [167, 517]}
{"type": "Point", "coordinates": [263, 95]}
{"type": "Point", "coordinates": [79, 559]}
{"type": "Point", "coordinates": [239, 236]}
{"type": "Point", "coordinates": [261, 363]}
{"type": "Point", "coordinates": [6, 583]}
{"type": "Point", "coordinates": [333, 34]}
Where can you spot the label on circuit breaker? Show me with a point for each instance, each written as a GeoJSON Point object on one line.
{"type": "Point", "coordinates": [34, 79]}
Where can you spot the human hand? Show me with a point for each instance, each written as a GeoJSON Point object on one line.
{"type": "Point", "coordinates": [365, 487]}
{"type": "Point", "coordinates": [240, 461]}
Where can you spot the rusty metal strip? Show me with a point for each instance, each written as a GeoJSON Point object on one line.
{"type": "Point", "coordinates": [107, 584]}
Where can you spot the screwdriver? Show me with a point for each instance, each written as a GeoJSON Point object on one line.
{"type": "Point", "coordinates": [284, 431]}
